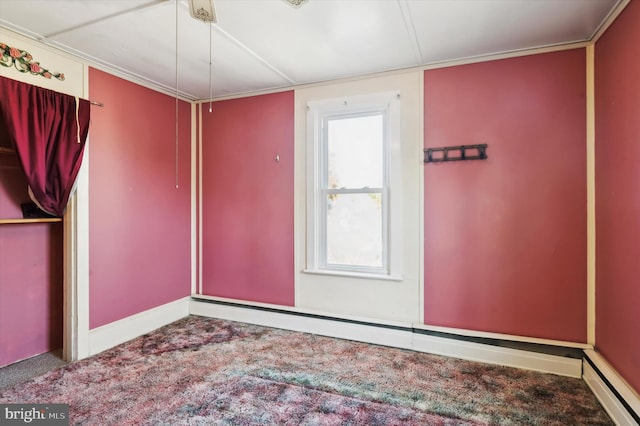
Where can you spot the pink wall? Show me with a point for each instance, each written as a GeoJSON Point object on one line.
{"type": "Point", "coordinates": [505, 238]}
{"type": "Point", "coordinates": [30, 274]}
{"type": "Point", "coordinates": [139, 222]}
{"type": "Point", "coordinates": [247, 199]}
{"type": "Point", "coordinates": [617, 94]}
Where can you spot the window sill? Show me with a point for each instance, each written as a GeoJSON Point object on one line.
{"type": "Point", "coordinates": [347, 274]}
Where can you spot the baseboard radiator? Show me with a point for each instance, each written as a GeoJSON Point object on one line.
{"type": "Point", "coordinates": [617, 397]}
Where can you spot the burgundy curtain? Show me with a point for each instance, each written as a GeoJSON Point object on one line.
{"type": "Point", "coordinates": [48, 131]}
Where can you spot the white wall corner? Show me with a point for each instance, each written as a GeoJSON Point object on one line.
{"type": "Point", "coordinates": [117, 332]}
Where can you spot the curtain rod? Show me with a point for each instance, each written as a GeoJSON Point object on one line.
{"type": "Point", "coordinates": [100, 104]}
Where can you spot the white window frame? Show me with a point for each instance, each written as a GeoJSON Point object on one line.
{"type": "Point", "coordinates": [318, 114]}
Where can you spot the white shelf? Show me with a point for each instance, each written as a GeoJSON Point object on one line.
{"type": "Point", "coordinates": [39, 220]}
{"type": "Point", "coordinates": [4, 150]}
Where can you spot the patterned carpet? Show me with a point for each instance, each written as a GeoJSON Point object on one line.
{"type": "Point", "coordinates": [202, 371]}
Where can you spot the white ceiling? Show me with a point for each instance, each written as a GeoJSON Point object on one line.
{"type": "Point", "coordinates": [266, 44]}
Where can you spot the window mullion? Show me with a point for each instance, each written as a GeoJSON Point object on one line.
{"type": "Point", "coordinates": [323, 166]}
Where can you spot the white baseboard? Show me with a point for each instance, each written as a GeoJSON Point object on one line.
{"type": "Point", "coordinates": [117, 332]}
{"type": "Point", "coordinates": [305, 324]}
{"type": "Point", "coordinates": [491, 354]}
{"type": "Point", "coordinates": [611, 403]}
{"type": "Point", "coordinates": [392, 336]}
{"type": "Point", "coordinates": [501, 336]}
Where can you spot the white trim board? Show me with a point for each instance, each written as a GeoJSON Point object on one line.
{"type": "Point", "coordinates": [464, 334]}
{"type": "Point", "coordinates": [306, 324]}
{"type": "Point", "coordinates": [117, 332]}
{"type": "Point", "coordinates": [610, 389]}
{"type": "Point", "coordinates": [591, 195]}
{"type": "Point", "coordinates": [388, 335]}
{"type": "Point", "coordinates": [501, 336]}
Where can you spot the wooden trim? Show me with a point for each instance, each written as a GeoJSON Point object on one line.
{"type": "Point", "coordinates": [194, 197]}
{"type": "Point", "coordinates": [21, 221]}
{"type": "Point", "coordinates": [199, 189]}
{"type": "Point", "coordinates": [617, 10]}
{"type": "Point", "coordinates": [4, 150]}
{"type": "Point", "coordinates": [591, 198]}
{"type": "Point", "coordinates": [117, 332]}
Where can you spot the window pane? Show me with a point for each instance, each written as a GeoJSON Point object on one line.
{"type": "Point", "coordinates": [354, 229]}
{"type": "Point", "coordinates": [355, 152]}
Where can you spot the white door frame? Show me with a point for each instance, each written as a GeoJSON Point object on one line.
{"type": "Point", "coordinates": [75, 343]}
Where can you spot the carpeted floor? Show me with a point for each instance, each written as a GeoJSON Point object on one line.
{"type": "Point", "coordinates": [24, 370]}
{"type": "Point", "coordinates": [207, 371]}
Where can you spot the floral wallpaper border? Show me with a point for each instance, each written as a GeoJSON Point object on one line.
{"type": "Point", "coordinates": [23, 62]}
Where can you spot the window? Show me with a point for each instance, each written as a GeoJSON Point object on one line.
{"type": "Point", "coordinates": [350, 184]}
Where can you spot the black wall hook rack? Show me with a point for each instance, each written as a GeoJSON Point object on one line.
{"type": "Point", "coordinates": [460, 153]}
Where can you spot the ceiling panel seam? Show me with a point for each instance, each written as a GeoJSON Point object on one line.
{"type": "Point", "coordinates": [409, 25]}
{"type": "Point", "coordinates": [20, 30]}
{"type": "Point", "coordinates": [255, 55]}
{"type": "Point", "coordinates": [106, 18]}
